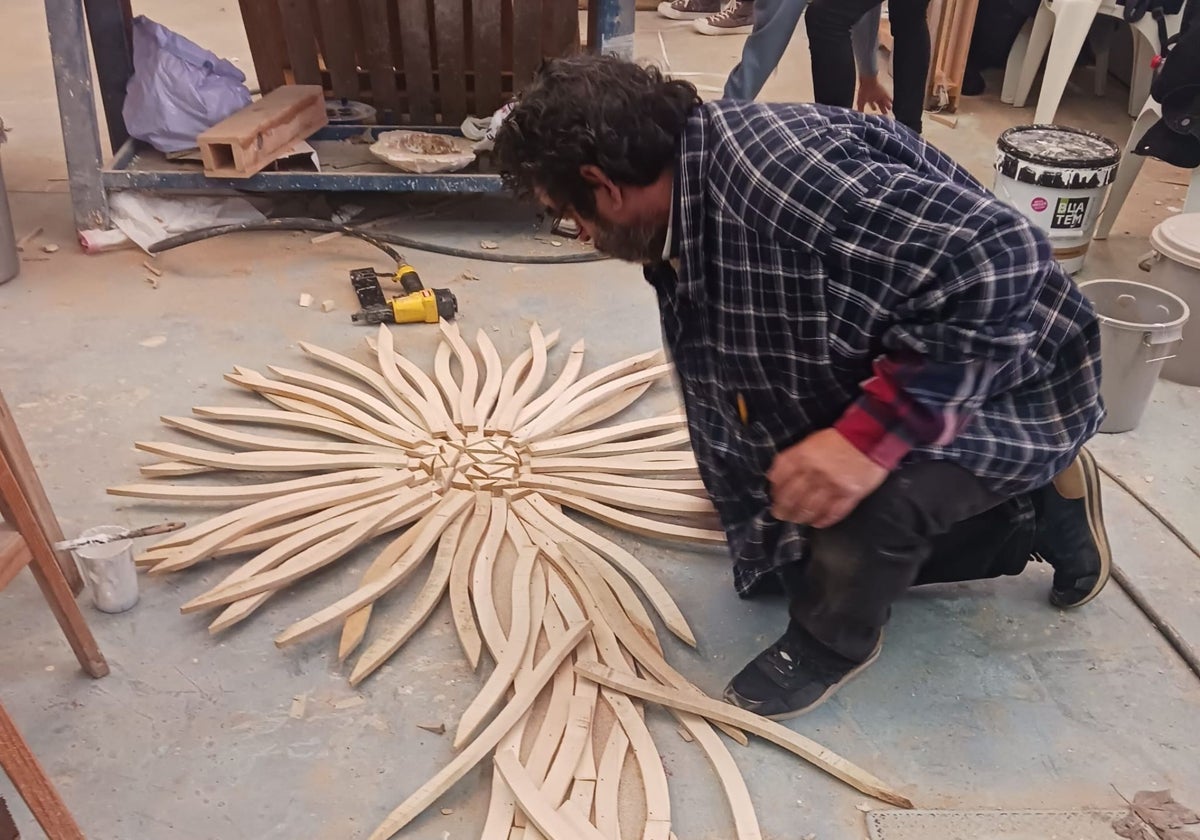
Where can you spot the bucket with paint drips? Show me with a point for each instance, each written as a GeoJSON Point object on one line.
{"type": "Point", "coordinates": [1057, 177]}
{"type": "Point", "coordinates": [109, 570]}
{"type": "Point", "coordinates": [1140, 329]}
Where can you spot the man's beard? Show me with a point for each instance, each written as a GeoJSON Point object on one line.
{"type": "Point", "coordinates": [638, 243]}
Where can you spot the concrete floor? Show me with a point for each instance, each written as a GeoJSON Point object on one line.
{"type": "Point", "coordinates": [984, 697]}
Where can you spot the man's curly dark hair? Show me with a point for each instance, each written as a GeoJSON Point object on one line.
{"type": "Point", "coordinates": [619, 116]}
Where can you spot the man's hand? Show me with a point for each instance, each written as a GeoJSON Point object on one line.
{"type": "Point", "coordinates": [872, 94]}
{"type": "Point", "coordinates": [821, 479]}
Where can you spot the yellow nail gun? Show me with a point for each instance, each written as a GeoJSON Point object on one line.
{"type": "Point", "coordinates": [417, 305]}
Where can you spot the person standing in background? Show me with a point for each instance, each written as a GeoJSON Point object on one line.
{"type": "Point", "coordinates": [829, 23]}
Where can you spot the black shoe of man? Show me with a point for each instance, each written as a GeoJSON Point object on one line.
{"type": "Point", "coordinates": [793, 676]}
{"type": "Point", "coordinates": [1071, 536]}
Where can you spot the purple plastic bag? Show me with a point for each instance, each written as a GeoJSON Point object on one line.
{"type": "Point", "coordinates": [178, 89]}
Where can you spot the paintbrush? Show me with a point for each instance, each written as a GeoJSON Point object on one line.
{"type": "Point", "coordinates": [101, 539]}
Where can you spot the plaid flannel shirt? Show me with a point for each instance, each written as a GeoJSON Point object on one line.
{"type": "Point", "coordinates": [830, 269]}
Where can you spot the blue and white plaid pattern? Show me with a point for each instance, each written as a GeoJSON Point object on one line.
{"type": "Point", "coordinates": [812, 240]}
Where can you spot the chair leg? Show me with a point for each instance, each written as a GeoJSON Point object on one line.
{"type": "Point", "coordinates": [1101, 40]}
{"type": "Point", "coordinates": [1016, 57]}
{"type": "Point", "coordinates": [13, 448]}
{"type": "Point", "coordinates": [1071, 26]}
{"type": "Point", "coordinates": [1142, 75]}
{"type": "Point", "coordinates": [30, 780]}
{"type": "Point", "coordinates": [49, 576]}
{"type": "Point", "coordinates": [1127, 172]}
{"type": "Point", "coordinates": [1192, 203]}
{"type": "Point", "coordinates": [1035, 51]}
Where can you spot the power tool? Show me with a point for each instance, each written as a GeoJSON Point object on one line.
{"type": "Point", "coordinates": [417, 305]}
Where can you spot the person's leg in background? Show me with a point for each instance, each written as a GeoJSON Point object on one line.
{"type": "Point", "coordinates": [910, 59]}
{"type": "Point", "coordinates": [775, 22]}
{"type": "Point", "coordinates": [829, 23]}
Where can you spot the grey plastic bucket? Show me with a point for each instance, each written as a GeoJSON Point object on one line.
{"type": "Point", "coordinates": [1140, 328]}
{"type": "Point", "coordinates": [10, 263]}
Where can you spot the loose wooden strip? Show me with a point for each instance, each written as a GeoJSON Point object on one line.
{"type": "Point", "coordinates": [460, 580]}
{"type": "Point", "coordinates": [307, 398]}
{"type": "Point", "coordinates": [681, 463]}
{"type": "Point", "coordinates": [506, 415]}
{"type": "Point", "coordinates": [745, 821]}
{"type": "Point", "coordinates": [776, 733]}
{"type": "Point", "coordinates": [431, 593]}
{"type": "Point", "coordinates": [354, 396]}
{"type": "Point", "coordinates": [656, 443]}
{"type": "Point", "coordinates": [509, 660]}
{"type": "Point", "coordinates": [662, 502]}
{"type": "Point", "coordinates": [608, 782]}
{"type": "Point", "coordinates": [645, 753]}
{"type": "Point", "coordinates": [270, 511]}
{"type": "Point", "coordinates": [625, 431]}
{"type": "Point", "coordinates": [637, 524]}
{"type": "Point", "coordinates": [587, 385]}
{"type": "Point", "coordinates": [172, 469]}
{"type": "Point", "coordinates": [365, 374]}
{"type": "Point", "coordinates": [274, 460]}
{"type": "Point", "coordinates": [493, 376]}
{"type": "Point", "coordinates": [432, 527]}
{"type": "Point", "coordinates": [578, 732]}
{"type": "Point", "coordinates": [550, 734]}
{"type": "Point", "coordinates": [422, 393]}
{"type": "Point", "coordinates": [246, 440]}
{"type": "Point", "coordinates": [610, 407]}
{"type": "Point", "coordinates": [482, 581]}
{"type": "Point", "coordinates": [226, 493]}
{"type": "Point", "coordinates": [273, 417]}
{"type": "Point", "coordinates": [566, 378]}
{"type": "Point", "coordinates": [512, 376]}
{"type": "Point", "coordinates": [451, 392]}
{"type": "Point", "coordinates": [469, 390]}
{"type": "Point", "coordinates": [540, 810]}
{"type": "Point", "coordinates": [462, 763]}
{"type": "Point", "coordinates": [242, 609]}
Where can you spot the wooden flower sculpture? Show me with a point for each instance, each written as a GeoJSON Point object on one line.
{"type": "Point", "coordinates": [451, 473]}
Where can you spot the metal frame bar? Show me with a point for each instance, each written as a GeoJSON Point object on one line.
{"type": "Point", "coordinates": [610, 31]}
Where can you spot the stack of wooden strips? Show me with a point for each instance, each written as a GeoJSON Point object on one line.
{"type": "Point", "coordinates": [473, 467]}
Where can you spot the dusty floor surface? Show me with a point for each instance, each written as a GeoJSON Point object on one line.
{"type": "Point", "coordinates": [984, 696]}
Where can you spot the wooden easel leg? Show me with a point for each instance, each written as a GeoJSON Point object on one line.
{"type": "Point", "coordinates": [31, 782]}
{"type": "Point", "coordinates": [49, 575]}
{"type": "Point", "coordinates": [13, 448]}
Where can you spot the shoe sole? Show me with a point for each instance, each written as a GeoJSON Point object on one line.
{"type": "Point", "coordinates": [829, 692]}
{"type": "Point", "coordinates": [1095, 517]}
{"type": "Point", "coordinates": [705, 29]}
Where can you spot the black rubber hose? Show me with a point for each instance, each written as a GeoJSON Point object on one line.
{"type": "Point", "coordinates": [382, 241]}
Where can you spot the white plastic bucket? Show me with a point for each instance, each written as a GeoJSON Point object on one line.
{"type": "Point", "coordinates": [1174, 265]}
{"type": "Point", "coordinates": [1140, 328]}
{"type": "Point", "coordinates": [109, 570]}
{"type": "Point", "coordinates": [1057, 177]}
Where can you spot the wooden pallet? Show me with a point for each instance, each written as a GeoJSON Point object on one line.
{"type": "Point", "coordinates": [448, 59]}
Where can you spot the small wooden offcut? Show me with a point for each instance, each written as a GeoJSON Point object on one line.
{"type": "Point", "coordinates": [246, 142]}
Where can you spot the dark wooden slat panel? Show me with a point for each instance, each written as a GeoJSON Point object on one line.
{"type": "Point", "coordinates": [377, 55]}
{"type": "Point", "coordinates": [417, 60]}
{"type": "Point", "coordinates": [450, 37]}
{"type": "Point", "coordinates": [527, 40]}
{"type": "Point", "coordinates": [487, 41]}
{"type": "Point", "coordinates": [300, 34]}
{"type": "Point", "coordinates": [560, 35]}
{"type": "Point", "coordinates": [264, 32]}
{"type": "Point", "coordinates": [337, 30]}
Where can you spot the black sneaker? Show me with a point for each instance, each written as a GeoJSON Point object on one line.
{"type": "Point", "coordinates": [793, 676]}
{"type": "Point", "coordinates": [1070, 533]}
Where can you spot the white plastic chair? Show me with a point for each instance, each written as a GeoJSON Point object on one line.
{"type": "Point", "coordinates": [1131, 165]}
{"type": "Point", "coordinates": [1063, 26]}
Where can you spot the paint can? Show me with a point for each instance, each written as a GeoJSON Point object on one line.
{"type": "Point", "coordinates": [1174, 265]}
{"type": "Point", "coordinates": [1057, 176]}
{"type": "Point", "coordinates": [1141, 327]}
{"type": "Point", "coordinates": [10, 261]}
{"type": "Point", "coordinates": [109, 570]}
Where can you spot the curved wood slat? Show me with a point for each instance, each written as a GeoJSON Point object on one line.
{"type": "Point", "coordinates": [460, 580]}
{"type": "Point", "coordinates": [663, 502]}
{"type": "Point", "coordinates": [508, 384]}
{"type": "Point", "coordinates": [482, 578]}
{"type": "Point", "coordinates": [633, 430]}
{"type": "Point", "coordinates": [469, 392]}
{"type": "Point", "coordinates": [506, 416]}
{"type": "Point", "coordinates": [354, 396]}
{"type": "Point", "coordinates": [655, 443]}
{"type": "Point", "coordinates": [493, 377]}
{"type": "Point", "coordinates": [246, 440]}
{"type": "Point", "coordinates": [776, 733]}
{"type": "Point", "coordinates": [451, 392]}
{"type": "Point", "coordinates": [274, 460]}
{"type": "Point", "coordinates": [637, 524]}
{"type": "Point", "coordinates": [608, 782]}
{"type": "Point", "coordinates": [365, 374]}
{"type": "Point", "coordinates": [566, 378]}
{"type": "Point", "coordinates": [227, 493]}
{"type": "Point", "coordinates": [541, 812]}
{"type": "Point", "coordinates": [173, 469]}
{"type": "Point", "coordinates": [274, 417]}
{"type": "Point", "coordinates": [682, 485]}
{"type": "Point", "coordinates": [417, 388]}
{"type": "Point", "coordinates": [610, 407]}
{"type": "Point", "coordinates": [683, 463]}
{"type": "Point", "coordinates": [461, 764]}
